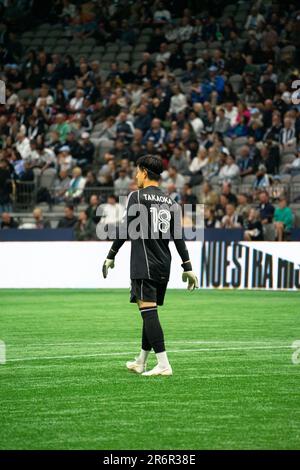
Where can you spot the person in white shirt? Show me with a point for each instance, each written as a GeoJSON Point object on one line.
{"type": "Point", "coordinates": [231, 219]}
{"type": "Point", "coordinates": [254, 19]}
{"type": "Point", "coordinates": [163, 54]}
{"type": "Point", "coordinates": [76, 103]}
{"type": "Point", "coordinates": [161, 15]}
{"type": "Point", "coordinates": [294, 166]}
{"type": "Point", "coordinates": [122, 183]}
{"type": "Point", "coordinates": [47, 157]}
{"type": "Point", "coordinates": [65, 160]}
{"type": "Point", "coordinates": [23, 145]}
{"type": "Point", "coordinates": [200, 161]}
{"type": "Point", "coordinates": [76, 187]}
{"type": "Point", "coordinates": [111, 213]}
{"type": "Point", "coordinates": [230, 171]}
{"type": "Point", "coordinates": [178, 101]}
{"type": "Point", "coordinates": [172, 177]}
{"type": "Point", "coordinates": [196, 123]}
{"type": "Point", "coordinates": [231, 113]}
{"type": "Point", "coordinates": [186, 30]}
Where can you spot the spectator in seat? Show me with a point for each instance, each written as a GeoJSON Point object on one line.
{"type": "Point", "coordinates": [6, 187]}
{"type": "Point", "coordinates": [230, 171]}
{"type": "Point", "coordinates": [121, 184]}
{"type": "Point", "coordinates": [294, 167]}
{"type": "Point", "coordinates": [187, 196]}
{"type": "Point", "coordinates": [77, 183]}
{"type": "Point", "coordinates": [61, 184]}
{"type": "Point", "coordinates": [172, 177]}
{"type": "Point", "coordinates": [262, 179]}
{"type": "Point", "coordinates": [200, 161]}
{"type": "Point", "coordinates": [283, 219]}
{"type": "Point", "coordinates": [7, 221]}
{"type": "Point", "coordinates": [91, 183]}
{"type": "Point", "coordinates": [287, 136]}
{"type": "Point", "coordinates": [245, 163]}
{"type": "Point", "coordinates": [220, 209]}
{"type": "Point", "coordinates": [179, 160]}
{"type": "Point", "coordinates": [266, 209]}
{"type": "Point", "coordinates": [23, 145]}
{"type": "Point", "coordinates": [69, 220]}
{"type": "Point", "coordinates": [208, 196]}
{"type": "Point", "coordinates": [39, 220]}
{"type": "Point", "coordinates": [231, 219]}
{"type": "Point", "coordinates": [243, 207]}
{"type": "Point", "coordinates": [111, 214]}
{"type": "Point", "coordinates": [227, 191]}
{"type": "Point", "coordinates": [156, 133]}
{"type": "Point", "coordinates": [253, 227]}
{"type": "Point", "coordinates": [143, 119]}
{"type": "Point", "coordinates": [64, 159]}
{"type": "Point", "coordinates": [74, 146]}
{"type": "Point", "coordinates": [113, 108]}
{"type": "Point", "coordinates": [87, 151]}
{"type": "Point", "coordinates": [124, 128]}
{"type": "Point", "coordinates": [62, 127]}
{"type": "Point", "coordinates": [85, 229]}
{"type": "Point", "coordinates": [178, 101]}
{"type": "Point", "coordinates": [210, 220]}
{"type": "Point", "coordinates": [91, 210]}
{"type": "Point", "coordinates": [146, 67]}
{"type": "Point", "coordinates": [222, 123]}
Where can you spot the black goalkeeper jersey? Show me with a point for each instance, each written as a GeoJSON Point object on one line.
{"type": "Point", "coordinates": [150, 221]}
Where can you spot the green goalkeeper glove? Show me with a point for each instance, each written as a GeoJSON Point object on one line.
{"type": "Point", "coordinates": [192, 279]}
{"type": "Point", "coordinates": [108, 263]}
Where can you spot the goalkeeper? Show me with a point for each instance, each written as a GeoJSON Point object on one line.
{"type": "Point", "coordinates": [152, 219]}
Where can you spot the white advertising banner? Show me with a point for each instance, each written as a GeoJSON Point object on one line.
{"type": "Point", "coordinates": [261, 265]}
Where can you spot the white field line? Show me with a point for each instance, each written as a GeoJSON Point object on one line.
{"type": "Point", "coordinates": [174, 351]}
{"type": "Point", "coordinates": [113, 343]}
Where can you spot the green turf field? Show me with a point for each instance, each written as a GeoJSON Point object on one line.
{"type": "Point", "coordinates": [65, 385]}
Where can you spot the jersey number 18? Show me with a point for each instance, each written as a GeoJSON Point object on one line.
{"type": "Point", "coordinates": [160, 219]}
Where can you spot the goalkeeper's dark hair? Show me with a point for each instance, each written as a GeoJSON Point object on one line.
{"type": "Point", "coordinates": [152, 164]}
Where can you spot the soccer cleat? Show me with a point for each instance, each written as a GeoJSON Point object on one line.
{"type": "Point", "coordinates": [136, 367]}
{"type": "Point", "coordinates": [157, 370]}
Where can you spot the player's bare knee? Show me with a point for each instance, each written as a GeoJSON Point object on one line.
{"type": "Point", "coordinates": [144, 304]}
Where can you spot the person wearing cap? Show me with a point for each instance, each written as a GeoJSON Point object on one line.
{"type": "Point", "coordinates": [283, 219]}
{"type": "Point", "coordinates": [87, 151]}
{"type": "Point", "coordinates": [65, 160]}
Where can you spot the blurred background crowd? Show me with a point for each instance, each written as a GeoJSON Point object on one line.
{"type": "Point", "coordinates": [91, 86]}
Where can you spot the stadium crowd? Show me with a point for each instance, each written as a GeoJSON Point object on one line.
{"type": "Point", "coordinates": [213, 96]}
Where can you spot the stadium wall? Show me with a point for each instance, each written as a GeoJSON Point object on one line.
{"type": "Point", "coordinates": [242, 265]}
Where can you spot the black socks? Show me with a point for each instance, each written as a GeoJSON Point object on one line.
{"type": "Point", "coordinates": [153, 336]}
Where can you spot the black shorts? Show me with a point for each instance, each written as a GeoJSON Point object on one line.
{"type": "Point", "coordinates": [147, 290]}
